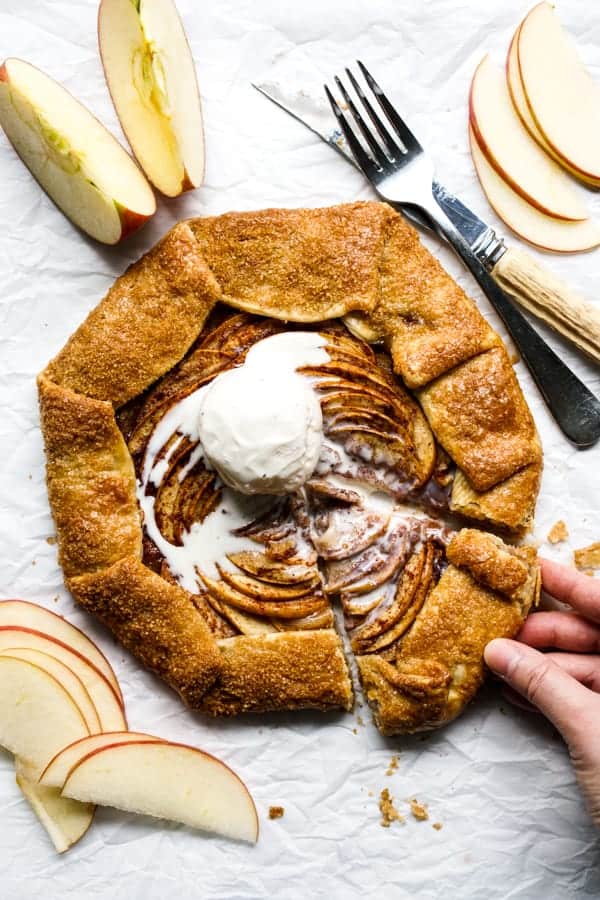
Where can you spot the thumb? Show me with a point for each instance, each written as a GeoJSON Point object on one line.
{"type": "Point", "coordinates": [541, 681]}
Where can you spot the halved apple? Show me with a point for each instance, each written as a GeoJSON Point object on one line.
{"type": "Point", "coordinates": [65, 676]}
{"type": "Point", "coordinates": [80, 165]}
{"type": "Point", "coordinates": [57, 770]}
{"type": "Point", "coordinates": [527, 221]}
{"type": "Point", "coordinates": [167, 781]}
{"type": "Point", "coordinates": [513, 153]}
{"type": "Point", "coordinates": [151, 77]}
{"type": "Point", "coordinates": [563, 99]}
{"type": "Point", "coordinates": [108, 708]}
{"type": "Point", "coordinates": [24, 614]}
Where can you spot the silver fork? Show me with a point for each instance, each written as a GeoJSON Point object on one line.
{"type": "Point", "coordinates": [401, 172]}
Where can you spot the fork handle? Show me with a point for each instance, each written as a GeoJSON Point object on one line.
{"type": "Point", "coordinates": [573, 406]}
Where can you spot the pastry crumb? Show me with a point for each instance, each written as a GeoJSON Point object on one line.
{"type": "Point", "coordinates": [359, 719]}
{"type": "Point", "coordinates": [355, 731]}
{"type": "Point", "coordinates": [276, 812]}
{"type": "Point", "coordinates": [438, 826]}
{"type": "Point", "coordinates": [369, 793]}
{"type": "Point", "coordinates": [419, 810]}
{"type": "Point", "coordinates": [392, 766]}
{"type": "Point", "coordinates": [51, 539]}
{"type": "Point", "coordinates": [588, 557]}
{"type": "Point", "coordinates": [559, 532]}
{"type": "Point", "coordinates": [388, 811]}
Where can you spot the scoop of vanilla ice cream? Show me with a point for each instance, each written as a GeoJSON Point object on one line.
{"type": "Point", "coordinates": [262, 431]}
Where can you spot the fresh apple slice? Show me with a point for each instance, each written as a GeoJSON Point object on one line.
{"type": "Point", "coordinates": [563, 99]}
{"type": "Point", "coordinates": [23, 614]}
{"type": "Point", "coordinates": [167, 781]}
{"type": "Point", "coordinates": [517, 94]}
{"type": "Point", "coordinates": [65, 676]}
{"type": "Point", "coordinates": [66, 821]}
{"type": "Point", "coordinates": [513, 153]}
{"type": "Point", "coordinates": [80, 165]}
{"type": "Point", "coordinates": [152, 81]}
{"type": "Point", "coordinates": [527, 221]}
{"type": "Point", "coordinates": [37, 715]}
{"type": "Point", "coordinates": [57, 770]}
{"type": "Point", "coordinates": [109, 710]}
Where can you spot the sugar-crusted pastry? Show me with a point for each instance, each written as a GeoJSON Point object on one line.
{"type": "Point", "coordinates": [228, 593]}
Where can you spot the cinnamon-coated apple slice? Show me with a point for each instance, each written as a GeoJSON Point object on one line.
{"type": "Point", "coordinates": [24, 614]}
{"type": "Point", "coordinates": [80, 165]}
{"type": "Point", "coordinates": [151, 77]}
{"type": "Point", "coordinates": [108, 707]}
{"type": "Point", "coordinates": [514, 154]}
{"type": "Point", "coordinates": [563, 98]}
{"type": "Point", "coordinates": [524, 219]}
{"type": "Point", "coordinates": [57, 770]}
{"type": "Point", "coordinates": [167, 781]}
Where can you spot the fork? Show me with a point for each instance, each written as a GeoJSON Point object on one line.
{"type": "Point", "coordinates": [401, 173]}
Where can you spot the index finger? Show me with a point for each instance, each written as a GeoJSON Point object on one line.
{"type": "Point", "coordinates": [570, 586]}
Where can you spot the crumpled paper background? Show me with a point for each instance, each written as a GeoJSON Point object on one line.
{"type": "Point", "coordinates": [498, 779]}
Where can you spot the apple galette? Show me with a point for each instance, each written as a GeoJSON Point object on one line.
{"type": "Point", "coordinates": [278, 416]}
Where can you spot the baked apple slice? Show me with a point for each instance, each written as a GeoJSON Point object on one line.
{"type": "Point", "coordinates": [152, 81]}
{"type": "Point", "coordinates": [80, 165]}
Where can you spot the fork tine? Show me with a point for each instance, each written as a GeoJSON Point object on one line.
{"type": "Point", "coordinates": [374, 146]}
{"type": "Point", "coordinates": [402, 130]}
{"type": "Point", "coordinates": [366, 163]}
{"type": "Point", "coordinates": [388, 140]}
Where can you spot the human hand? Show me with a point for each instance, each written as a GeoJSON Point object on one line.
{"type": "Point", "coordinates": [565, 686]}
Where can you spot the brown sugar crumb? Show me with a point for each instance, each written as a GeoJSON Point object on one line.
{"type": "Point", "coordinates": [438, 826]}
{"type": "Point", "coordinates": [588, 557]}
{"type": "Point", "coordinates": [419, 810]}
{"type": "Point", "coordinates": [559, 532]}
{"type": "Point", "coordinates": [388, 811]}
{"type": "Point", "coordinates": [276, 812]}
{"type": "Point", "coordinates": [392, 766]}
{"type": "Point", "coordinates": [51, 540]}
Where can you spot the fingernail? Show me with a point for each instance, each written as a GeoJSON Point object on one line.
{"type": "Point", "coordinates": [501, 655]}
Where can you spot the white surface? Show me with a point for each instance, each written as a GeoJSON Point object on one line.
{"type": "Point", "coordinates": [499, 780]}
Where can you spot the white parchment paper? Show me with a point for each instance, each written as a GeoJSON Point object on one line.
{"type": "Point", "coordinates": [498, 779]}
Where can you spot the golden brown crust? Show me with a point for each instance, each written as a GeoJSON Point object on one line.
{"type": "Point", "coordinates": [480, 418]}
{"type": "Point", "coordinates": [91, 481]}
{"type": "Point", "coordinates": [291, 670]}
{"type": "Point", "coordinates": [509, 505]}
{"type": "Point", "coordinates": [144, 325]}
{"type": "Point", "coordinates": [302, 265]}
{"type": "Point", "coordinates": [426, 318]}
{"type": "Point", "coordinates": [439, 665]}
{"type": "Point", "coordinates": [490, 561]}
{"type": "Point", "coordinates": [156, 621]}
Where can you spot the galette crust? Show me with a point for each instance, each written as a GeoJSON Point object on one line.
{"type": "Point", "coordinates": [156, 621]}
{"type": "Point", "coordinates": [360, 259]}
{"type": "Point", "coordinates": [91, 481]}
{"type": "Point", "coordinates": [148, 320]}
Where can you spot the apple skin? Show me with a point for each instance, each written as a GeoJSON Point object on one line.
{"type": "Point", "coordinates": [97, 742]}
{"type": "Point", "coordinates": [3, 73]}
{"type": "Point", "coordinates": [485, 148]}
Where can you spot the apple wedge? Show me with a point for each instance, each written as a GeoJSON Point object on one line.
{"type": "Point", "coordinates": [80, 165]}
{"type": "Point", "coordinates": [151, 77]}
{"type": "Point", "coordinates": [513, 153]}
{"type": "Point", "coordinates": [108, 708]}
{"type": "Point", "coordinates": [563, 100]}
{"type": "Point", "coordinates": [167, 781]}
{"type": "Point", "coordinates": [524, 219]}
{"type": "Point", "coordinates": [23, 614]}
{"type": "Point", "coordinates": [66, 821]}
{"type": "Point", "coordinates": [57, 770]}
{"type": "Point", "coordinates": [66, 677]}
